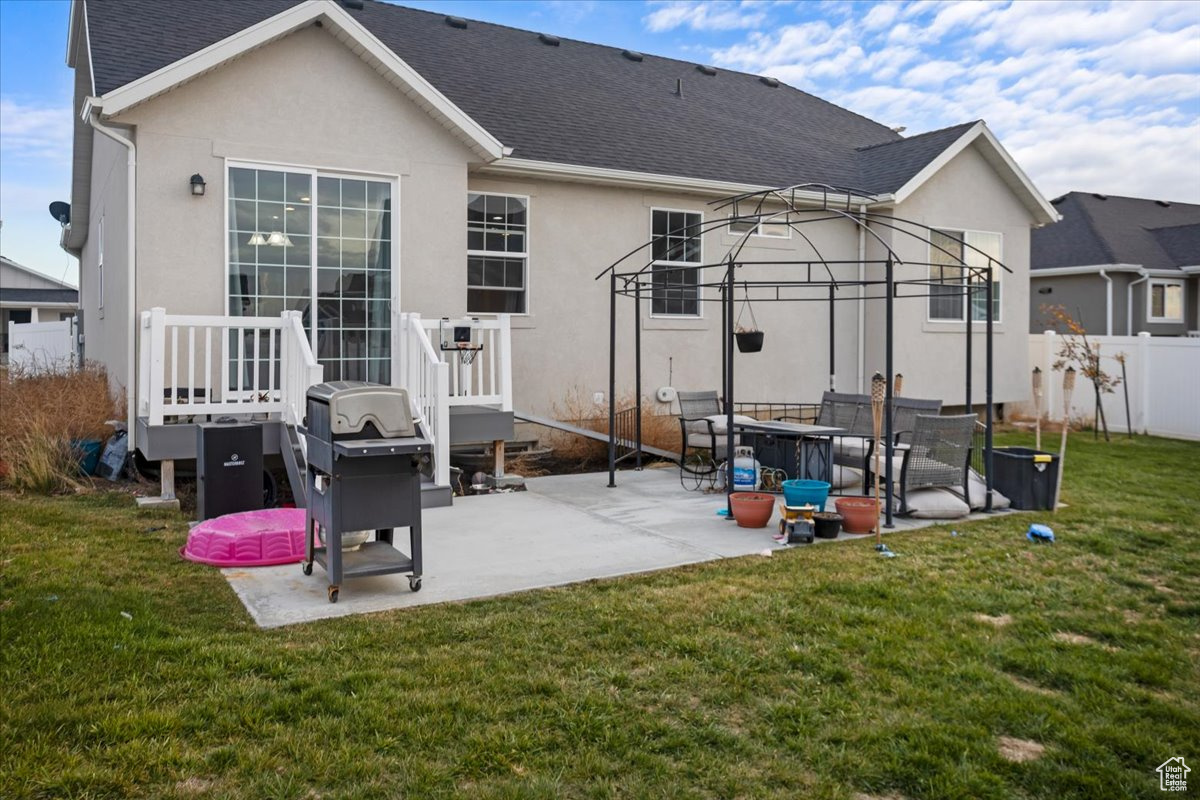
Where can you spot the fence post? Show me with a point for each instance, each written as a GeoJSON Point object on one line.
{"type": "Point", "coordinates": [1143, 351]}
{"type": "Point", "coordinates": [157, 364]}
{"type": "Point", "coordinates": [441, 441]}
{"type": "Point", "coordinates": [506, 395]}
{"type": "Point", "coordinates": [1048, 355]}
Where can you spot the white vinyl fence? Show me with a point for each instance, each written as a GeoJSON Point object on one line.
{"type": "Point", "coordinates": [1162, 376]}
{"type": "Point", "coordinates": [42, 346]}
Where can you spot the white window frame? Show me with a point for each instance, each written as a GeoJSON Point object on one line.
{"type": "Point", "coordinates": [327, 172]}
{"type": "Point", "coordinates": [782, 232]}
{"type": "Point", "coordinates": [699, 262]}
{"type": "Point", "coordinates": [100, 267]}
{"type": "Point", "coordinates": [496, 254]}
{"type": "Point", "coordinates": [997, 271]}
{"type": "Point", "coordinates": [1165, 282]}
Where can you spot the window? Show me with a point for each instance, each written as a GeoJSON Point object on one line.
{"type": "Point", "coordinates": [775, 227]}
{"type": "Point", "coordinates": [100, 267]}
{"type": "Point", "coordinates": [948, 251]}
{"type": "Point", "coordinates": [344, 271]}
{"type": "Point", "coordinates": [497, 253]}
{"type": "Point", "coordinates": [1166, 301]}
{"type": "Point", "coordinates": [676, 242]}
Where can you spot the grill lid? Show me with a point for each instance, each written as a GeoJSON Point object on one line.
{"type": "Point", "coordinates": [352, 404]}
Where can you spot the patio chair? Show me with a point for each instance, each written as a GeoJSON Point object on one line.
{"type": "Point", "coordinates": [936, 454]}
{"type": "Point", "coordinates": [703, 435]}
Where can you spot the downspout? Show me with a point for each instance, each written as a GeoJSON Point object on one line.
{"type": "Point", "coordinates": [1107, 303]}
{"type": "Point", "coordinates": [862, 301]}
{"type": "Point", "coordinates": [1129, 300]}
{"type": "Point", "coordinates": [131, 299]}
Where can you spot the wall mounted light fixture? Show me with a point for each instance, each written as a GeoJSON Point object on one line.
{"type": "Point", "coordinates": [197, 184]}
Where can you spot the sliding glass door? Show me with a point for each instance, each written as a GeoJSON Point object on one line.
{"type": "Point", "coordinates": [320, 244]}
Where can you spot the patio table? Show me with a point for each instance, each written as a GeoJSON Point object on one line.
{"type": "Point", "coordinates": [811, 455]}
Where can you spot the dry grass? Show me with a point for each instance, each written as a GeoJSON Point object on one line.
{"type": "Point", "coordinates": [42, 415]}
{"type": "Point", "coordinates": [577, 408]}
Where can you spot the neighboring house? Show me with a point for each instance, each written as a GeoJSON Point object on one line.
{"type": "Point", "coordinates": [29, 296]}
{"type": "Point", "coordinates": [362, 159]}
{"type": "Point", "coordinates": [1119, 265]}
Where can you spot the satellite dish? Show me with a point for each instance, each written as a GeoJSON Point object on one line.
{"type": "Point", "coordinates": [61, 211]}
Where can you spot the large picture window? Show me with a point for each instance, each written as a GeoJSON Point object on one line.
{"type": "Point", "coordinates": [340, 278]}
{"type": "Point", "coordinates": [497, 253]}
{"type": "Point", "coordinates": [948, 251]}
{"type": "Point", "coordinates": [676, 252]}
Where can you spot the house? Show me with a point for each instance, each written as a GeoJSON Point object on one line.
{"type": "Point", "coordinates": [27, 295]}
{"type": "Point", "coordinates": [366, 160]}
{"type": "Point", "coordinates": [1120, 265]}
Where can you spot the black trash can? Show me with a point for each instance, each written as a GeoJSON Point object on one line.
{"type": "Point", "coordinates": [1027, 477]}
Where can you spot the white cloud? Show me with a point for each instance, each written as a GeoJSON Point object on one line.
{"type": "Point", "coordinates": [714, 15]}
{"type": "Point", "coordinates": [34, 132]}
{"type": "Point", "coordinates": [1082, 92]}
{"type": "Point", "coordinates": [880, 16]}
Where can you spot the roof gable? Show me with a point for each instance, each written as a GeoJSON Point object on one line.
{"type": "Point", "coordinates": [197, 62]}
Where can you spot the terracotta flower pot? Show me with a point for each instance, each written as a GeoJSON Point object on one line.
{"type": "Point", "coordinates": [752, 509]}
{"type": "Point", "coordinates": [827, 524]}
{"type": "Point", "coordinates": [858, 513]}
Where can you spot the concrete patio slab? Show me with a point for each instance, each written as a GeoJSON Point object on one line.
{"type": "Point", "coordinates": [563, 529]}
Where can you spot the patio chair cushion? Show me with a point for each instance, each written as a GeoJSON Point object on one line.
{"type": "Point", "coordinates": [703, 440]}
{"type": "Point", "coordinates": [845, 476]}
{"type": "Point", "coordinates": [851, 446]}
{"type": "Point", "coordinates": [718, 423]}
{"type": "Point", "coordinates": [936, 504]}
{"type": "Point", "coordinates": [979, 493]}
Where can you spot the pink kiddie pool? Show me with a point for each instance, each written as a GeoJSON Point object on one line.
{"type": "Point", "coordinates": [248, 539]}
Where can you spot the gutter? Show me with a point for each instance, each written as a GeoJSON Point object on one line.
{"type": "Point", "coordinates": [1108, 309]}
{"type": "Point", "coordinates": [93, 119]}
{"type": "Point", "coordinates": [1145, 273]}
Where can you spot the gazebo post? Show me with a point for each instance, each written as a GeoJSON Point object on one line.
{"type": "Point", "coordinates": [832, 349]}
{"type": "Point", "coordinates": [729, 390]}
{"type": "Point", "coordinates": [969, 295]}
{"type": "Point", "coordinates": [637, 366]}
{"type": "Point", "coordinates": [887, 405]}
{"type": "Point", "coordinates": [612, 380]}
{"type": "Point", "coordinates": [987, 445]}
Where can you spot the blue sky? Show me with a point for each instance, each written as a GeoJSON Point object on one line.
{"type": "Point", "coordinates": [1094, 96]}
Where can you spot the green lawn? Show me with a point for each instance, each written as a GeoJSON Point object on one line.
{"type": "Point", "coordinates": [822, 672]}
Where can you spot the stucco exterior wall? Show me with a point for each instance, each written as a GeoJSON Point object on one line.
{"type": "Point", "coordinates": [307, 101]}
{"type": "Point", "coordinates": [106, 318]}
{"type": "Point", "coordinates": [966, 194]}
{"type": "Point", "coordinates": [1084, 298]}
{"type": "Point", "coordinates": [1141, 320]}
{"type": "Point", "coordinates": [561, 347]}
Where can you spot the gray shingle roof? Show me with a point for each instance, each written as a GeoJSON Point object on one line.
{"type": "Point", "coordinates": [576, 103]}
{"type": "Point", "coordinates": [1106, 229]}
{"type": "Point", "coordinates": [39, 295]}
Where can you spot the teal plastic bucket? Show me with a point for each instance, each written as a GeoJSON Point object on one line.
{"type": "Point", "coordinates": [87, 451]}
{"type": "Point", "coordinates": [805, 492]}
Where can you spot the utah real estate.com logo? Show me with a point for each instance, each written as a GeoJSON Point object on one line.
{"type": "Point", "coordinates": [1172, 775]}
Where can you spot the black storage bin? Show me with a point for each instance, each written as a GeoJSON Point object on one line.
{"type": "Point", "coordinates": [1030, 484]}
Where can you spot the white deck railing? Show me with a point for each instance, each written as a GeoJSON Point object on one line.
{"type": "Point", "coordinates": [211, 365]}
{"type": "Point", "coordinates": [487, 379]}
{"type": "Point", "coordinates": [427, 379]}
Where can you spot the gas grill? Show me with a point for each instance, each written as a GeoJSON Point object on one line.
{"type": "Point", "coordinates": [364, 459]}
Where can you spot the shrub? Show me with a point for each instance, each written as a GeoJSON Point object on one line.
{"type": "Point", "coordinates": [40, 416]}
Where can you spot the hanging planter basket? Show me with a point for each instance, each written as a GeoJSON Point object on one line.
{"type": "Point", "coordinates": [749, 341]}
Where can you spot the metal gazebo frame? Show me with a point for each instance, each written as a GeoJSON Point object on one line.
{"type": "Point", "coordinates": [798, 210]}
